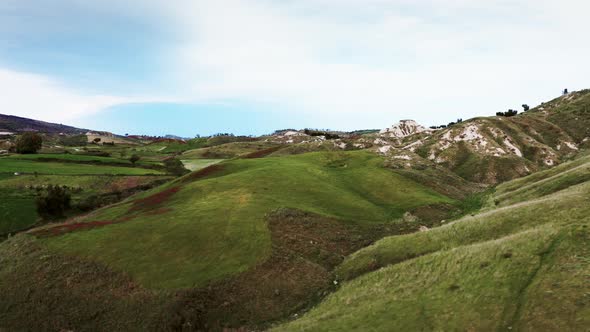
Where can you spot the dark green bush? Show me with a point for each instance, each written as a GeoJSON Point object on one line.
{"type": "Point", "coordinates": [53, 202]}
{"type": "Point", "coordinates": [29, 143]}
{"type": "Point", "coordinates": [175, 167]}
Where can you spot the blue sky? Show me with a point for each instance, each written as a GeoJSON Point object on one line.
{"type": "Point", "coordinates": [191, 67]}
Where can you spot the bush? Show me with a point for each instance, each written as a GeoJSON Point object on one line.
{"type": "Point", "coordinates": [54, 202]}
{"type": "Point", "coordinates": [29, 143]}
{"type": "Point", "coordinates": [175, 166]}
{"type": "Point", "coordinates": [134, 158]}
{"type": "Point", "coordinates": [509, 113]}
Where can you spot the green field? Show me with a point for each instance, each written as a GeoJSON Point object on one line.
{"type": "Point", "coordinates": [69, 157]}
{"type": "Point", "coordinates": [222, 217]}
{"type": "Point", "coordinates": [16, 213]}
{"type": "Point", "coordinates": [11, 165]}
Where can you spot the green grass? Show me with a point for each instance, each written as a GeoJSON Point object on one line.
{"type": "Point", "coordinates": [522, 267]}
{"type": "Point", "coordinates": [216, 226]}
{"type": "Point", "coordinates": [544, 182]}
{"type": "Point", "coordinates": [68, 157]}
{"type": "Point", "coordinates": [519, 282]}
{"type": "Point", "coordinates": [16, 212]}
{"type": "Point", "coordinates": [567, 206]}
{"type": "Point", "coordinates": [10, 165]}
{"type": "Point", "coordinates": [42, 291]}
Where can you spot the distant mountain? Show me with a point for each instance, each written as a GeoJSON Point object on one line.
{"type": "Point", "coordinates": [16, 124]}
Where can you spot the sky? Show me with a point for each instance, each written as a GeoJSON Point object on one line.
{"type": "Point", "coordinates": [189, 67]}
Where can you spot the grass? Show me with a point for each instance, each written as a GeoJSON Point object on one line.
{"type": "Point", "coordinates": [42, 291]}
{"type": "Point", "coordinates": [10, 165]}
{"type": "Point", "coordinates": [16, 213]}
{"type": "Point", "coordinates": [544, 182]}
{"type": "Point", "coordinates": [495, 285]}
{"type": "Point", "coordinates": [215, 227]}
{"type": "Point", "coordinates": [89, 183]}
{"type": "Point", "coordinates": [567, 206]}
{"type": "Point", "coordinates": [524, 266]}
{"type": "Point", "coordinates": [69, 157]}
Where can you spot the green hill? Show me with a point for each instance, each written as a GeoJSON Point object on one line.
{"type": "Point", "coordinates": [479, 226]}
{"type": "Point", "coordinates": [522, 266]}
{"type": "Point", "coordinates": [213, 234]}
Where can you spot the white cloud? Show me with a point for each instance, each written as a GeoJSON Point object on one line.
{"type": "Point", "coordinates": [394, 58]}
{"type": "Point", "coordinates": [43, 98]}
{"type": "Point", "coordinates": [39, 97]}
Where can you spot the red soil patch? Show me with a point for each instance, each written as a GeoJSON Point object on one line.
{"type": "Point", "coordinates": [148, 206]}
{"type": "Point", "coordinates": [148, 203]}
{"type": "Point", "coordinates": [68, 228]}
{"type": "Point", "coordinates": [203, 173]}
{"type": "Point", "coordinates": [80, 226]}
{"type": "Point", "coordinates": [261, 153]}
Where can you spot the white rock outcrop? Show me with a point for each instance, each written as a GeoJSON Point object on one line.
{"type": "Point", "coordinates": [403, 129]}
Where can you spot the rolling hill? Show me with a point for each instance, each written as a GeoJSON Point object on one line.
{"type": "Point", "coordinates": [522, 266]}
{"type": "Point", "coordinates": [482, 225]}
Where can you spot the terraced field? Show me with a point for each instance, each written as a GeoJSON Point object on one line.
{"type": "Point", "coordinates": [9, 165]}
{"type": "Point", "coordinates": [89, 175]}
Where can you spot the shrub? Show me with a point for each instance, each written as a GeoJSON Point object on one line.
{"type": "Point", "coordinates": [175, 166]}
{"type": "Point", "coordinates": [29, 143]}
{"type": "Point", "coordinates": [134, 158]}
{"type": "Point", "coordinates": [509, 113]}
{"type": "Point", "coordinates": [54, 202]}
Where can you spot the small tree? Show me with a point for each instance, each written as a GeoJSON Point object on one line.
{"type": "Point", "coordinates": [565, 92]}
{"type": "Point", "coordinates": [525, 107]}
{"type": "Point", "coordinates": [175, 166]}
{"type": "Point", "coordinates": [54, 202]}
{"type": "Point", "coordinates": [134, 158]}
{"type": "Point", "coordinates": [29, 143]}
{"type": "Point", "coordinates": [96, 140]}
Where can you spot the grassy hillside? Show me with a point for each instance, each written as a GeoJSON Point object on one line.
{"type": "Point", "coordinates": [205, 241]}
{"type": "Point", "coordinates": [317, 233]}
{"type": "Point", "coordinates": [523, 266]}
{"type": "Point", "coordinates": [223, 216]}
{"type": "Point", "coordinates": [497, 149]}
{"type": "Point", "coordinates": [18, 124]}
